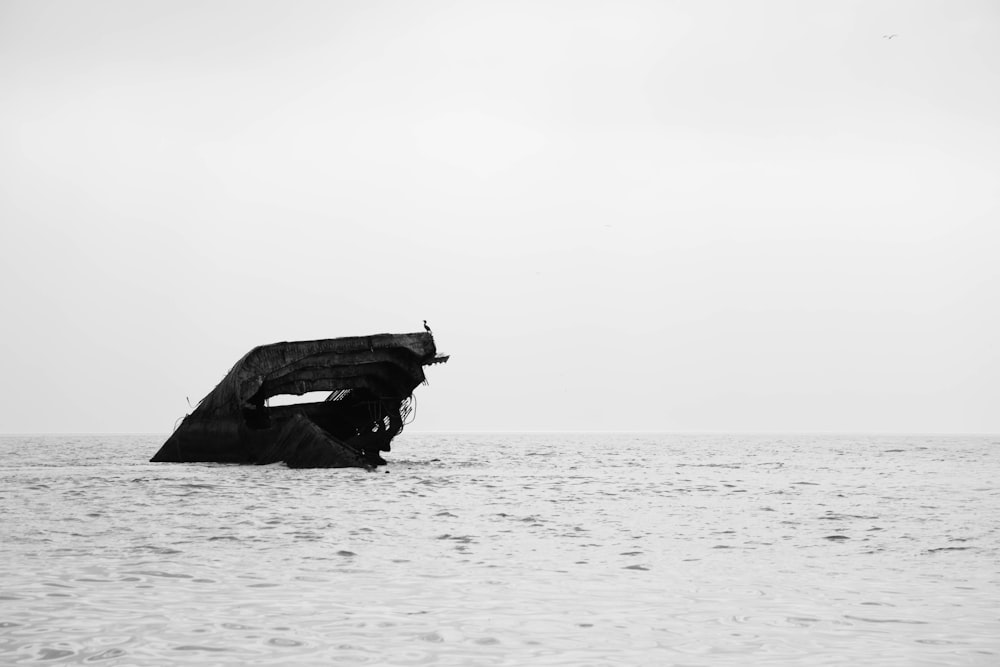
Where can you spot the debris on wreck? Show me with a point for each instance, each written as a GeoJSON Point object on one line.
{"type": "Point", "coordinates": [370, 379]}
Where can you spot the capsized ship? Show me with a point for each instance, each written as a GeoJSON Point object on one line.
{"type": "Point", "coordinates": [370, 379]}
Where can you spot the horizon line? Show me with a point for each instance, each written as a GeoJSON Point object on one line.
{"type": "Point", "coordinates": [567, 431]}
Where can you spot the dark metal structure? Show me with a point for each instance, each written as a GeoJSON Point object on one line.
{"type": "Point", "coordinates": [370, 379]}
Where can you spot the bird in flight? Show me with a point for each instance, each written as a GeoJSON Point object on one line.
{"type": "Point", "coordinates": [889, 36]}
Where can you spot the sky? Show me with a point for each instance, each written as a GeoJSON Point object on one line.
{"type": "Point", "coordinates": [616, 216]}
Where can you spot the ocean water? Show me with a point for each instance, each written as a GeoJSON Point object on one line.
{"type": "Point", "coordinates": [507, 549]}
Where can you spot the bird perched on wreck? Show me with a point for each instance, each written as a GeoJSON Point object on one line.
{"type": "Point", "coordinates": [427, 328]}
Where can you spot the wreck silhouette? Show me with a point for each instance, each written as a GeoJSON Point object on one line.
{"type": "Point", "coordinates": [370, 379]}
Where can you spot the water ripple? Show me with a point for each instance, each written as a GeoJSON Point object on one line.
{"type": "Point", "coordinates": [621, 549]}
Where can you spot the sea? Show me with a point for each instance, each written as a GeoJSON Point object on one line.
{"type": "Point", "coordinates": [507, 549]}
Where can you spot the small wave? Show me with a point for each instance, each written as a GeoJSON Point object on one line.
{"type": "Point", "coordinates": [107, 654]}
{"type": "Point", "coordinates": [166, 551]}
{"type": "Point", "coordinates": [885, 620]}
{"type": "Point", "coordinates": [731, 466]}
{"type": "Point", "coordinates": [53, 654]}
{"type": "Point", "coordinates": [281, 641]}
{"type": "Point", "coordinates": [161, 573]}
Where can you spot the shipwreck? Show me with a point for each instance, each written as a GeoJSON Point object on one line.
{"type": "Point", "coordinates": [370, 380]}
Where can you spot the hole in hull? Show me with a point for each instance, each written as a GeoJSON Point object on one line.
{"type": "Point", "coordinates": [291, 399]}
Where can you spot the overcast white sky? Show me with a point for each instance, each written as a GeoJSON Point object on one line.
{"type": "Point", "coordinates": [616, 215]}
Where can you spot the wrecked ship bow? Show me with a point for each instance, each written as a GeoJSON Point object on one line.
{"type": "Point", "coordinates": [370, 379]}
